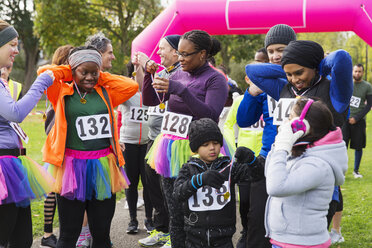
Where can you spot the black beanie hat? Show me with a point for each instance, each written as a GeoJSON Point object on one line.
{"type": "Point", "coordinates": [202, 131]}
{"type": "Point", "coordinates": [280, 34]}
{"type": "Point", "coordinates": [173, 40]}
{"type": "Point", "coordinates": [306, 53]}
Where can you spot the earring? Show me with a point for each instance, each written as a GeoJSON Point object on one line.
{"type": "Point", "coordinates": [201, 58]}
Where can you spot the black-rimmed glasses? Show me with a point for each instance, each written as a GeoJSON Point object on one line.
{"type": "Point", "coordinates": [184, 55]}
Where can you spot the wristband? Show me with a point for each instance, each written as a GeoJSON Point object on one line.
{"type": "Point", "coordinates": [192, 182]}
{"type": "Point", "coordinates": [199, 177]}
{"type": "Point", "coordinates": [252, 161]}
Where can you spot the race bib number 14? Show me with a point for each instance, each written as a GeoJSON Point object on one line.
{"type": "Point", "coordinates": [282, 110]}
{"type": "Point", "coordinates": [93, 127]}
{"type": "Point", "coordinates": [176, 124]}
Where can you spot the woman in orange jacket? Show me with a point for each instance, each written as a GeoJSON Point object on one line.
{"type": "Point", "coordinates": [82, 147]}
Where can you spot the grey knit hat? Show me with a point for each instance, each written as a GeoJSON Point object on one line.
{"type": "Point", "coordinates": [280, 34]}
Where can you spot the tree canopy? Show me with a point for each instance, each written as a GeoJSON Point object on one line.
{"type": "Point", "coordinates": [61, 22]}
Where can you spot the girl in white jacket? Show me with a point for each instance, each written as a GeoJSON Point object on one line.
{"type": "Point", "coordinates": [308, 159]}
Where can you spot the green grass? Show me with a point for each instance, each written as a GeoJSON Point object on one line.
{"type": "Point", "coordinates": [357, 218]}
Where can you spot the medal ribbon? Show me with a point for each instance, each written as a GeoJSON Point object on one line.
{"type": "Point", "coordinates": [226, 195]}
{"type": "Point", "coordinates": [157, 94]}
{"type": "Point", "coordinates": [81, 97]}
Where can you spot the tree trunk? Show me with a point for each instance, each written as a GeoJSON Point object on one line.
{"type": "Point", "coordinates": [225, 58]}
{"type": "Point", "coordinates": [32, 57]}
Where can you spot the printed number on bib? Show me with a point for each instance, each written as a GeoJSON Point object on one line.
{"type": "Point", "coordinates": [17, 128]}
{"type": "Point", "coordinates": [138, 114]}
{"type": "Point", "coordinates": [282, 110]}
{"type": "Point", "coordinates": [176, 124]}
{"type": "Point", "coordinates": [93, 127]}
{"type": "Point", "coordinates": [271, 103]}
{"type": "Point", "coordinates": [155, 110]}
{"type": "Point", "coordinates": [208, 198]}
{"type": "Point", "coordinates": [258, 126]}
{"type": "Point", "coordinates": [355, 101]}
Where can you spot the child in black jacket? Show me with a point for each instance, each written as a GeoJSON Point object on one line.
{"type": "Point", "coordinates": [205, 186]}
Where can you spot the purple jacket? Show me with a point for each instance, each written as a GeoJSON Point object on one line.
{"type": "Point", "coordinates": [17, 111]}
{"type": "Point", "coordinates": [200, 94]}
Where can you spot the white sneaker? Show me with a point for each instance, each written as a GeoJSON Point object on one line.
{"type": "Point", "coordinates": [140, 203]}
{"type": "Point", "coordinates": [155, 238]}
{"type": "Point", "coordinates": [357, 174]}
{"type": "Point", "coordinates": [336, 237]}
{"type": "Point", "coordinates": [168, 244]}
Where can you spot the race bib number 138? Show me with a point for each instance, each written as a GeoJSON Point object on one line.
{"type": "Point", "coordinates": [176, 124]}
{"type": "Point", "coordinates": [208, 198]}
{"type": "Point", "coordinates": [93, 127]}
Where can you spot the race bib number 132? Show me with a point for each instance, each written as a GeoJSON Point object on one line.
{"type": "Point", "coordinates": [176, 124]}
{"type": "Point", "coordinates": [93, 127]}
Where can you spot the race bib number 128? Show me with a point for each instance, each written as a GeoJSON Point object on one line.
{"type": "Point", "coordinates": [93, 127]}
{"type": "Point", "coordinates": [176, 124]}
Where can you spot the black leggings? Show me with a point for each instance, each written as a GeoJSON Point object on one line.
{"type": "Point", "coordinates": [71, 215]}
{"type": "Point", "coordinates": [134, 156]}
{"type": "Point", "coordinates": [15, 226]}
{"type": "Point", "coordinates": [49, 210]}
{"type": "Point", "coordinates": [244, 203]}
{"type": "Point", "coordinates": [153, 181]}
{"type": "Point", "coordinates": [176, 219]}
{"type": "Point", "coordinates": [256, 224]}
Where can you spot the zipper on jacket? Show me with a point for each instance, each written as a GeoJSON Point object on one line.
{"type": "Point", "coordinates": [266, 216]}
{"type": "Point", "coordinates": [110, 109]}
{"type": "Point", "coordinates": [209, 244]}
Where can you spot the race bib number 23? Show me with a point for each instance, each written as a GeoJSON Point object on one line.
{"type": "Point", "coordinates": [354, 101]}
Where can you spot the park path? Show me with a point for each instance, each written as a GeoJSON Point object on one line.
{"type": "Point", "coordinates": [121, 239]}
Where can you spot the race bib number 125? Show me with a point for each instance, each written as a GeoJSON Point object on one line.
{"type": "Point", "coordinates": [93, 127]}
{"type": "Point", "coordinates": [138, 114]}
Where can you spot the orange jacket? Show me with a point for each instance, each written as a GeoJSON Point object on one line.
{"type": "Point", "coordinates": [119, 90]}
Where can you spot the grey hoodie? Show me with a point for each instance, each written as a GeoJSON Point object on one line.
{"type": "Point", "coordinates": [300, 190]}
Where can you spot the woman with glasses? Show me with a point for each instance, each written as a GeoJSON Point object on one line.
{"type": "Point", "coordinates": [198, 91]}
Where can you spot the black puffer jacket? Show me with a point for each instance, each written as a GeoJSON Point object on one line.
{"type": "Point", "coordinates": [213, 228]}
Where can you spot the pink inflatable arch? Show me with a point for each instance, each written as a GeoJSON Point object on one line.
{"type": "Point", "coordinates": [221, 17]}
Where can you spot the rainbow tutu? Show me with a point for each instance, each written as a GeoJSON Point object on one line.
{"type": "Point", "coordinates": [169, 153]}
{"type": "Point", "coordinates": [22, 180]}
{"type": "Point", "coordinates": [88, 174]}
